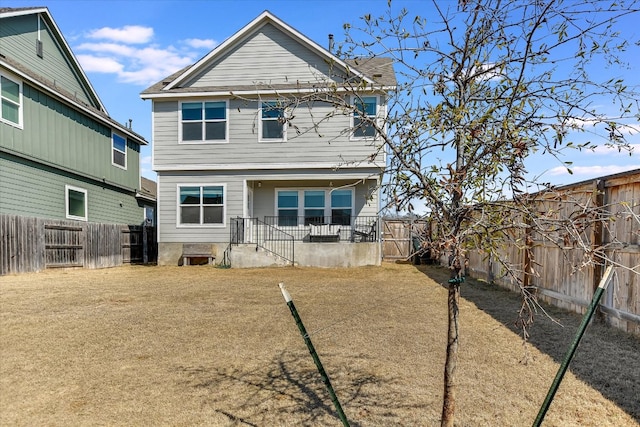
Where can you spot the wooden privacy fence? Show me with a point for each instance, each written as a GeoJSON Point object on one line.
{"type": "Point", "coordinates": [33, 244]}
{"type": "Point", "coordinates": [398, 237]}
{"type": "Point", "coordinates": [564, 275]}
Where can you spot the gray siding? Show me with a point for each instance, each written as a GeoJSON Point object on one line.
{"type": "Point", "coordinates": [264, 197]}
{"type": "Point", "coordinates": [60, 135]}
{"type": "Point", "coordinates": [18, 37]}
{"type": "Point", "coordinates": [168, 231]}
{"type": "Point", "coordinates": [275, 58]}
{"type": "Point", "coordinates": [329, 143]}
{"type": "Point", "coordinates": [29, 189]}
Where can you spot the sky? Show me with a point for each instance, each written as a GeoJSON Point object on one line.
{"type": "Point", "coordinates": [124, 46]}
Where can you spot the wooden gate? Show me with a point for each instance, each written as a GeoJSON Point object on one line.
{"type": "Point", "coordinates": [64, 246]}
{"type": "Point", "coordinates": [398, 237]}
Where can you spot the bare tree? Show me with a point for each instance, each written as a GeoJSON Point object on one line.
{"type": "Point", "coordinates": [484, 84]}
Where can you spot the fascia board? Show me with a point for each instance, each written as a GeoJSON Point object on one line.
{"type": "Point", "coordinates": [254, 92]}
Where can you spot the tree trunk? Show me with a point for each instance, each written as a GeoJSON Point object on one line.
{"type": "Point", "coordinates": [449, 402]}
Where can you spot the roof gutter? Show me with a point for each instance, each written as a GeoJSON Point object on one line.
{"type": "Point", "coordinates": [269, 92]}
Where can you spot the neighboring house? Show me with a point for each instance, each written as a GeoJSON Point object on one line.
{"type": "Point", "coordinates": [235, 166]}
{"type": "Point", "coordinates": [61, 155]}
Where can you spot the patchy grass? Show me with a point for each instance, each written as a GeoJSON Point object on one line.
{"type": "Point", "coordinates": [203, 346]}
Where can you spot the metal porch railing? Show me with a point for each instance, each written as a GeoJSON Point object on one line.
{"type": "Point", "coordinates": [264, 236]}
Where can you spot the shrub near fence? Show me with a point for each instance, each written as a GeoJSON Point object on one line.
{"type": "Point", "coordinates": [33, 244]}
{"type": "Point", "coordinates": [565, 277]}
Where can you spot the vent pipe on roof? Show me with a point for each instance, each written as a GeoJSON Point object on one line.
{"type": "Point", "coordinates": [331, 43]}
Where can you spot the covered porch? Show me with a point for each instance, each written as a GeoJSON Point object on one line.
{"type": "Point", "coordinates": [316, 242]}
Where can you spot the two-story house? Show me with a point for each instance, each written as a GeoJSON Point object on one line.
{"type": "Point", "coordinates": [61, 155]}
{"type": "Point", "coordinates": [248, 152]}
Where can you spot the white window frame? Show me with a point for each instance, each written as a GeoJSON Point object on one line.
{"type": "Point", "coordinates": [114, 149]}
{"type": "Point", "coordinates": [261, 138]}
{"type": "Point", "coordinates": [204, 121]}
{"type": "Point", "coordinates": [179, 224]}
{"type": "Point", "coordinates": [12, 79]}
{"type": "Point", "coordinates": [377, 117]}
{"type": "Point", "coordinates": [66, 203]}
{"type": "Point", "coordinates": [328, 208]}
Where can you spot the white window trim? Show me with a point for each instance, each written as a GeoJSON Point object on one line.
{"type": "Point", "coordinates": [284, 125]}
{"type": "Point", "coordinates": [208, 184]}
{"type": "Point", "coordinates": [20, 124]}
{"type": "Point", "coordinates": [204, 141]}
{"type": "Point", "coordinates": [66, 203]}
{"type": "Point", "coordinates": [327, 199]}
{"type": "Point", "coordinates": [113, 148]}
{"type": "Point", "coordinates": [380, 110]}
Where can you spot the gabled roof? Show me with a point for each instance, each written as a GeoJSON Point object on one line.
{"type": "Point", "coordinates": [376, 72]}
{"type": "Point", "coordinates": [98, 111]}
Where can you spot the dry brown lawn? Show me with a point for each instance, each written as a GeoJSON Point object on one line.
{"type": "Point", "coordinates": [187, 346]}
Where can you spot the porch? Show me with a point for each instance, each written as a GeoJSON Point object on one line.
{"type": "Point", "coordinates": [306, 241]}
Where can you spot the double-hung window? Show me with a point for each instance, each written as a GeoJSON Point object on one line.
{"type": "Point", "coordinates": [287, 208]}
{"type": "Point", "coordinates": [10, 101]}
{"type": "Point", "coordinates": [201, 205]}
{"type": "Point", "coordinates": [364, 115]}
{"type": "Point", "coordinates": [204, 121]}
{"type": "Point", "coordinates": [119, 150]}
{"type": "Point", "coordinates": [75, 200]}
{"type": "Point", "coordinates": [314, 206]}
{"type": "Point", "coordinates": [272, 122]}
{"type": "Point", "coordinates": [341, 206]}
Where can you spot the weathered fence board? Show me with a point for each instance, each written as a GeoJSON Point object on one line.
{"type": "Point", "coordinates": [33, 244]}
{"type": "Point", "coordinates": [565, 277]}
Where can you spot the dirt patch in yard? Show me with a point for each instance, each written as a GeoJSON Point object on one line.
{"type": "Point", "coordinates": [204, 346]}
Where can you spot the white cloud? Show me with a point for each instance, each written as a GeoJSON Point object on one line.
{"type": "Point", "coordinates": [99, 64]}
{"type": "Point", "coordinates": [133, 34]}
{"type": "Point", "coordinates": [592, 170]}
{"type": "Point", "coordinates": [201, 43]}
{"type": "Point", "coordinates": [142, 63]}
{"type": "Point", "coordinates": [603, 150]}
{"type": "Point", "coordinates": [142, 66]}
{"type": "Point", "coordinates": [108, 48]}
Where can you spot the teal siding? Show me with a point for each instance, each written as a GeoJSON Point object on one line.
{"type": "Point", "coordinates": [30, 189]}
{"type": "Point", "coordinates": [18, 37]}
{"type": "Point", "coordinates": [57, 134]}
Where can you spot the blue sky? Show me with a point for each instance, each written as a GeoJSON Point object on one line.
{"type": "Point", "coordinates": [125, 46]}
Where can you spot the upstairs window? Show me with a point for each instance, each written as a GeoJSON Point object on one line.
{"type": "Point", "coordinates": [119, 149]}
{"type": "Point", "coordinates": [272, 122]}
{"type": "Point", "coordinates": [364, 114]}
{"type": "Point", "coordinates": [11, 101]}
{"type": "Point", "coordinates": [201, 205]}
{"type": "Point", "coordinates": [204, 121]}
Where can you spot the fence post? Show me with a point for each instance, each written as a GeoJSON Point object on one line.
{"type": "Point", "coordinates": [314, 355]}
{"type": "Point", "coordinates": [574, 345]}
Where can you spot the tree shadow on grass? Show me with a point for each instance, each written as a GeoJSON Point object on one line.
{"type": "Point", "coordinates": [607, 359]}
{"type": "Point", "coordinates": [287, 391]}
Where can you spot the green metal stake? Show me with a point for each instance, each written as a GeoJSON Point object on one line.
{"type": "Point", "coordinates": [574, 345]}
{"type": "Point", "coordinates": [316, 359]}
